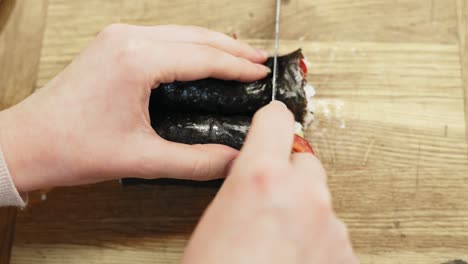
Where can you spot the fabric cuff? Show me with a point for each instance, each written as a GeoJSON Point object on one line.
{"type": "Point", "coordinates": [9, 195]}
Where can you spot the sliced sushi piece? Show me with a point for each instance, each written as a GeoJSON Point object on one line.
{"type": "Point", "coordinates": [214, 129]}
{"type": "Point", "coordinates": [179, 182]}
{"type": "Point", "coordinates": [207, 129]}
{"type": "Point", "coordinates": [203, 129]}
{"type": "Point", "coordinates": [237, 98]}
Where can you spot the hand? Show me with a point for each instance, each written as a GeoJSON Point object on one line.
{"type": "Point", "coordinates": [274, 207]}
{"type": "Point", "coordinates": [91, 122]}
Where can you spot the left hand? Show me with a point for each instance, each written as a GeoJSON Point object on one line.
{"type": "Point", "coordinates": [91, 122]}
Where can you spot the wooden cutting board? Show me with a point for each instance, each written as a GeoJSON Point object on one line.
{"type": "Point", "coordinates": [392, 81]}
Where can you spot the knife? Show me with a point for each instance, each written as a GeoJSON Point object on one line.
{"type": "Point", "coordinates": [275, 58]}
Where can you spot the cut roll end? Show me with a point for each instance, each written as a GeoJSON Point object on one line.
{"type": "Point", "coordinates": [309, 116]}
{"type": "Point", "coordinates": [309, 91]}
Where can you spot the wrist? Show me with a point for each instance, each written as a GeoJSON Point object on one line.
{"type": "Point", "coordinates": [19, 151]}
{"type": "Point", "coordinates": [7, 139]}
{"type": "Point", "coordinates": [9, 195]}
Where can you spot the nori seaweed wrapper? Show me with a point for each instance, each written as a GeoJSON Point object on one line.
{"type": "Point", "coordinates": [169, 182]}
{"type": "Point", "coordinates": [233, 97]}
{"type": "Point", "coordinates": [202, 129]}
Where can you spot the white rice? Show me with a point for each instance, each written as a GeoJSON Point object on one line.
{"type": "Point", "coordinates": [309, 92]}
{"type": "Point", "coordinates": [298, 129]}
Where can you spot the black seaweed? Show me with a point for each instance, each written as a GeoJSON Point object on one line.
{"type": "Point", "coordinates": [202, 129]}
{"type": "Point", "coordinates": [457, 261]}
{"type": "Point", "coordinates": [232, 97]}
{"type": "Point", "coordinates": [169, 182]}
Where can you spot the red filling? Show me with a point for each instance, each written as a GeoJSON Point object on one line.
{"type": "Point", "coordinates": [303, 66]}
{"type": "Point", "coordinates": [300, 145]}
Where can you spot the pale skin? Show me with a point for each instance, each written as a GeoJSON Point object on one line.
{"type": "Point", "coordinates": [91, 124]}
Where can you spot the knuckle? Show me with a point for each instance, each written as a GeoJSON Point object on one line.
{"type": "Point", "coordinates": [126, 50]}
{"type": "Point", "coordinates": [128, 54]}
{"type": "Point", "coordinates": [265, 169]}
{"type": "Point", "coordinates": [263, 179]}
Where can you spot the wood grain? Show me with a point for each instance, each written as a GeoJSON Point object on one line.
{"type": "Point", "coordinates": [323, 20]}
{"type": "Point", "coordinates": [20, 46]}
{"type": "Point", "coordinates": [7, 231]}
{"type": "Point", "coordinates": [110, 224]}
{"type": "Point", "coordinates": [462, 12]}
{"type": "Point", "coordinates": [390, 129]}
{"type": "Point", "coordinates": [21, 29]}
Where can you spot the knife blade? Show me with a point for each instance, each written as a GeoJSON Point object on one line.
{"type": "Point", "coordinates": [275, 58]}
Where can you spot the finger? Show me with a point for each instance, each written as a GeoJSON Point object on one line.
{"type": "Point", "coordinates": [342, 241]}
{"type": "Point", "coordinates": [352, 259]}
{"type": "Point", "coordinates": [348, 256]}
{"type": "Point", "coordinates": [203, 36]}
{"type": "Point", "coordinates": [270, 136]}
{"type": "Point", "coordinates": [179, 161]}
{"type": "Point", "coordinates": [308, 165]}
{"type": "Point", "coordinates": [187, 62]}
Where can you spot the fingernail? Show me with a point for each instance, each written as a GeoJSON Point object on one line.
{"type": "Point", "coordinates": [279, 103]}
{"type": "Point", "coordinates": [263, 53]}
{"type": "Point", "coordinates": [265, 68]}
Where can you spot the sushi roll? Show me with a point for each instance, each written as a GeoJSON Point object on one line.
{"type": "Point", "coordinates": [238, 98]}
{"type": "Point", "coordinates": [212, 111]}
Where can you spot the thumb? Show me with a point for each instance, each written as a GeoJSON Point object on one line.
{"type": "Point", "coordinates": [165, 159]}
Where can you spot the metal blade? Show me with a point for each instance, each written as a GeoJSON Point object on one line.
{"type": "Point", "coordinates": [275, 58]}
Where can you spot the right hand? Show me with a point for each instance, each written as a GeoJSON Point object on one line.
{"type": "Point", "coordinates": [274, 207]}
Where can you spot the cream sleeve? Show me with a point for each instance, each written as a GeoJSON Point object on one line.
{"type": "Point", "coordinates": [9, 195]}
